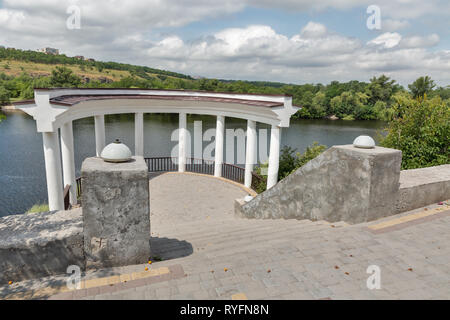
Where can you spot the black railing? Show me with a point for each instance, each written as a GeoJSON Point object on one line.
{"type": "Point", "coordinates": [259, 183]}
{"type": "Point", "coordinates": [170, 164]}
{"type": "Point", "coordinates": [67, 197]}
{"type": "Point", "coordinates": [78, 180]}
{"type": "Point", "coordinates": [200, 166]}
{"type": "Point", "coordinates": [232, 172]}
{"type": "Point", "coordinates": [162, 164]}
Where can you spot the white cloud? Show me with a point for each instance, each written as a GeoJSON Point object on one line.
{"type": "Point", "coordinates": [420, 42]}
{"type": "Point", "coordinates": [259, 53]}
{"type": "Point", "coordinates": [386, 40]}
{"type": "Point", "coordinates": [125, 31]}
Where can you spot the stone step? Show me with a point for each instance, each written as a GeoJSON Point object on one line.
{"type": "Point", "coordinates": [254, 237]}
{"type": "Point", "coordinates": [253, 240]}
{"type": "Point", "coordinates": [212, 231]}
{"type": "Point", "coordinates": [212, 227]}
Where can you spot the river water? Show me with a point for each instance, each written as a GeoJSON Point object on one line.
{"type": "Point", "coordinates": [22, 170]}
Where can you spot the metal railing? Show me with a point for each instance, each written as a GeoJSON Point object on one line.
{"type": "Point", "coordinates": [232, 172]}
{"type": "Point", "coordinates": [170, 164]}
{"type": "Point", "coordinates": [66, 197]}
{"type": "Point", "coordinates": [162, 164]}
{"type": "Point", "coordinates": [78, 181]}
{"type": "Point", "coordinates": [200, 166]}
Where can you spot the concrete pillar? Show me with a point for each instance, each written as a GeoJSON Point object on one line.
{"type": "Point", "coordinates": [182, 142]}
{"type": "Point", "coordinates": [274, 157]}
{"type": "Point", "coordinates": [139, 134]}
{"type": "Point", "coordinates": [68, 160]}
{"type": "Point", "coordinates": [250, 153]}
{"type": "Point", "coordinates": [99, 134]}
{"type": "Point", "coordinates": [53, 170]}
{"type": "Point", "coordinates": [116, 212]}
{"type": "Point", "coordinates": [220, 128]}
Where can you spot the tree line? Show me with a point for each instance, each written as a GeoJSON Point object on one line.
{"type": "Point", "coordinates": [340, 100]}
{"type": "Point", "coordinates": [418, 117]}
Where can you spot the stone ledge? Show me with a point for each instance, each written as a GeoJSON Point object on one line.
{"type": "Point", "coordinates": [40, 244]}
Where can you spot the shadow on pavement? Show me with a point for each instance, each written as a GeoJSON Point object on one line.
{"type": "Point", "coordinates": [167, 249]}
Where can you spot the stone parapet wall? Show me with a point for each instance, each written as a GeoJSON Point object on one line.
{"type": "Point", "coordinates": [421, 187]}
{"type": "Point", "coordinates": [40, 244]}
{"type": "Point", "coordinates": [352, 185]}
{"type": "Point", "coordinates": [342, 184]}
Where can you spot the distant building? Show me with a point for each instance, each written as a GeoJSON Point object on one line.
{"type": "Point", "coordinates": [79, 57]}
{"type": "Point", "coordinates": [49, 51]}
{"type": "Point", "coordinates": [90, 59]}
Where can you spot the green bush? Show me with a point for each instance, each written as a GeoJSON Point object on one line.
{"type": "Point", "coordinates": [310, 153]}
{"type": "Point", "coordinates": [420, 128]}
{"type": "Point", "coordinates": [289, 162]}
{"type": "Point", "coordinates": [38, 208]}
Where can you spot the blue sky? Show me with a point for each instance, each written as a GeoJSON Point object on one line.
{"type": "Point", "coordinates": [295, 41]}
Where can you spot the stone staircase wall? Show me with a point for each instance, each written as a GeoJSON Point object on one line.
{"type": "Point", "coordinates": [342, 184]}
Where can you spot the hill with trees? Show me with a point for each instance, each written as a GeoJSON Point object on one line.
{"type": "Point", "coordinates": [22, 71]}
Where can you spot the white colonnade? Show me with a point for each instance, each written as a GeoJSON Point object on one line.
{"type": "Point", "coordinates": [54, 168]}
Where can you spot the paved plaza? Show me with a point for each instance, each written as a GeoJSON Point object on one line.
{"type": "Point", "coordinates": [200, 250]}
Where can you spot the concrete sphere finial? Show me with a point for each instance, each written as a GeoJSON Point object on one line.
{"type": "Point", "coordinates": [116, 152]}
{"type": "Point", "coordinates": [364, 142]}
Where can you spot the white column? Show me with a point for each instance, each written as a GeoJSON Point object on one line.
{"type": "Point", "coordinates": [53, 170]}
{"type": "Point", "coordinates": [139, 134]}
{"type": "Point", "coordinates": [182, 142]}
{"type": "Point", "coordinates": [68, 160]}
{"type": "Point", "coordinates": [99, 134]}
{"type": "Point", "coordinates": [274, 157]}
{"type": "Point", "coordinates": [250, 153]}
{"type": "Point", "coordinates": [220, 129]}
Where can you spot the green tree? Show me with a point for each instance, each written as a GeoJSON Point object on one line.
{"type": "Point", "coordinates": [422, 87]}
{"type": "Point", "coordinates": [318, 108]}
{"type": "Point", "coordinates": [381, 89]}
{"type": "Point", "coordinates": [310, 153]}
{"type": "Point", "coordinates": [287, 162]}
{"type": "Point", "coordinates": [4, 96]}
{"type": "Point", "coordinates": [64, 77]}
{"type": "Point", "coordinates": [421, 130]}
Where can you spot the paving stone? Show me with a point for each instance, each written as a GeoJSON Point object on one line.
{"type": "Point", "coordinates": [301, 256]}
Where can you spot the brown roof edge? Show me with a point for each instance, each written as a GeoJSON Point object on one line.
{"type": "Point", "coordinates": [19, 103]}
{"type": "Point", "coordinates": [70, 100]}
{"type": "Point", "coordinates": [175, 90]}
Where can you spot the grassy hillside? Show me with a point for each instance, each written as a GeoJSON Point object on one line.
{"type": "Point", "coordinates": [15, 62]}
{"type": "Point", "coordinates": [16, 68]}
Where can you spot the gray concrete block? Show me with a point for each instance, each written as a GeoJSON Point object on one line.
{"type": "Point", "coordinates": [422, 187]}
{"type": "Point", "coordinates": [116, 212]}
{"type": "Point", "coordinates": [40, 244]}
{"type": "Point", "coordinates": [342, 184]}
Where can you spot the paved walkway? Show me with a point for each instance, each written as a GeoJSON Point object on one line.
{"type": "Point", "coordinates": [209, 254]}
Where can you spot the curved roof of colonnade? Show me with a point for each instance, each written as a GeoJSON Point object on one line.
{"type": "Point", "coordinates": [53, 107]}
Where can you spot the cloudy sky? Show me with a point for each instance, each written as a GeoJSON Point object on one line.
{"type": "Point", "coordinates": [297, 41]}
